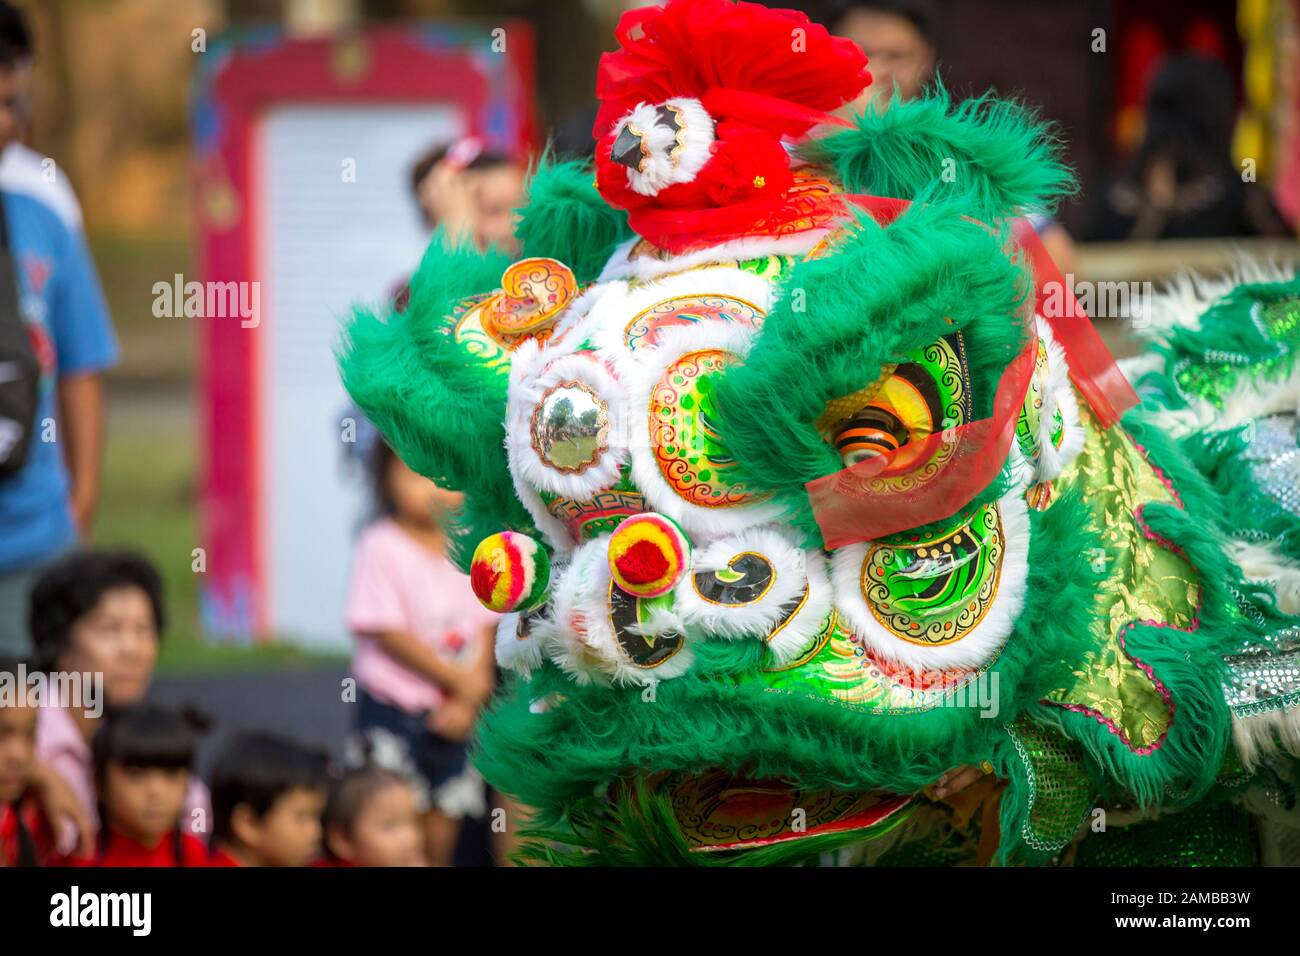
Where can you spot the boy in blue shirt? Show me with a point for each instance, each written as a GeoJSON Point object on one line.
{"type": "Point", "coordinates": [50, 501]}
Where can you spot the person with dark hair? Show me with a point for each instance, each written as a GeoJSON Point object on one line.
{"type": "Point", "coordinates": [34, 798]}
{"type": "Point", "coordinates": [96, 613]}
{"type": "Point", "coordinates": [268, 793]}
{"type": "Point", "coordinates": [470, 192]}
{"type": "Point", "coordinates": [372, 819]}
{"type": "Point", "coordinates": [97, 592]}
{"type": "Point", "coordinates": [143, 760]}
{"type": "Point", "coordinates": [57, 343]}
{"type": "Point", "coordinates": [424, 662]}
{"type": "Point", "coordinates": [1181, 182]}
{"type": "Point", "coordinates": [14, 33]}
{"type": "Point", "coordinates": [898, 38]}
{"type": "Point", "coordinates": [23, 169]}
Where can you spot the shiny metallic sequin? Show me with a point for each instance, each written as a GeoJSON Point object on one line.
{"type": "Point", "coordinates": [1267, 677]}
{"type": "Point", "coordinates": [1216, 373]}
{"type": "Point", "coordinates": [1273, 458]}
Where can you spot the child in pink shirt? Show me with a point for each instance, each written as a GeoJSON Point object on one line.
{"type": "Point", "coordinates": [423, 661]}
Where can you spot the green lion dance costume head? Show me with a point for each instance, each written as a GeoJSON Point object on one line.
{"type": "Point", "coordinates": [802, 481]}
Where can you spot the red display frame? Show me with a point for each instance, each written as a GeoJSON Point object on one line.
{"type": "Point", "coordinates": [485, 70]}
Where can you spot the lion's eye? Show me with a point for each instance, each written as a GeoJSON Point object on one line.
{"type": "Point", "coordinates": [871, 431]}
{"type": "Point", "coordinates": [633, 145]}
{"type": "Point", "coordinates": [663, 144]}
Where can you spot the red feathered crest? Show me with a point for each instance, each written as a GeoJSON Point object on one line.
{"type": "Point", "coordinates": [694, 108]}
{"type": "Point", "coordinates": [693, 47]}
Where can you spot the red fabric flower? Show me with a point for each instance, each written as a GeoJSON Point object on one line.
{"type": "Point", "coordinates": [747, 164]}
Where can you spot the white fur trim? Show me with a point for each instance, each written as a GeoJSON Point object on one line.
{"type": "Point", "coordinates": [977, 647]}
{"type": "Point", "coordinates": [1188, 295]}
{"type": "Point", "coordinates": [1135, 366]}
{"type": "Point", "coordinates": [647, 267]}
{"type": "Point", "coordinates": [1023, 471]}
{"type": "Point", "coordinates": [571, 327]}
{"type": "Point", "coordinates": [616, 310]}
{"type": "Point", "coordinates": [569, 643]}
{"type": "Point", "coordinates": [667, 161]}
{"type": "Point", "coordinates": [799, 631]}
{"type": "Point", "coordinates": [524, 363]}
{"type": "Point", "coordinates": [527, 364]}
{"type": "Point", "coordinates": [1249, 400]}
{"type": "Point", "coordinates": [522, 656]}
{"type": "Point", "coordinates": [1181, 305]}
{"type": "Point", "coordinates": [1263, 562]}
{"type": "Point", "coordinates": [1258, 735]}
{"type": "Point", "coordinates": [748, 620]}
{"type": "Point", "coordinates": [1058, 394]}
{"type": "Point", "coordinates": [701, 523]}
{"type": "Point", "coordinates": [583, 642]}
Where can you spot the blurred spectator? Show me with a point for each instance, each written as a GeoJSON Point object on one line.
{"type": "Point", "coordinates": [424, 660]}
{"type": "Point", "coordinates": [23, 170]}
{"type": "Point", "coordinates": [25, 836]}
{"type": "Point", "coordinates": [268, 793]}
{"type": "Point", "coordinates": [51, 499]}
{"type": "Point", "coordinates": [471, 192]}
{"type": "Point", "coordinates": [897, 37]}
{"type": "Point", "coordinates": [144, 759]}
{"type": "Point", "coordinates": [1181, 182]}
{"type": "Point", "coordinates": [97, 613]}
{"type": "Point", "coordinates": [372, 819]}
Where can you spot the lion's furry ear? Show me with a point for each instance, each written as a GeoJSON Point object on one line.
{"type": "Point", "coordinates": [992, 157]}
{"type": "Point", "coordinates": [434, 398]}
{"type": "Point", "coordinates": [566, 218]}
{"type": "Point", "coordinates": [881, 293]}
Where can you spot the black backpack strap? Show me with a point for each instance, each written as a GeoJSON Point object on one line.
{"type": "Point", "coordinates": [20, 371]}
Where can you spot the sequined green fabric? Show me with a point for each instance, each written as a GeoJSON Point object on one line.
{"type": "Point", "coordinates": [1265, 678]}
{"type": "Point", "coordinates": [1060, 794]}
{"type": "Point", "coordinates": [1218, 373]}
{"type": "Point", "coordinates": [1204, 835]}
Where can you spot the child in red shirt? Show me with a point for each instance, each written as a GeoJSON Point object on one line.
{"type": "Point", "coordinates": [143, 760]}
{"type": "Point", "coordinates": [267, 796]}
{"type": "Point", "coordinates": [25, 838]}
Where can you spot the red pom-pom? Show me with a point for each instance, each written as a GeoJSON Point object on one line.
{"type": "Point", "coordinates": [483, 579]}
{"type": "Point", "coordinates": [642, 563]}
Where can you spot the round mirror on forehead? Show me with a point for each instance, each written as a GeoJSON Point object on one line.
{"type": "Point", "coordinates": [570, 427]}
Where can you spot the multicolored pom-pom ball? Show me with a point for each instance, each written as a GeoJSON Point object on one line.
{"type": "Point", "coordinates": [510, 572]}
{"type": "Point", "coordinates": [648, 555]}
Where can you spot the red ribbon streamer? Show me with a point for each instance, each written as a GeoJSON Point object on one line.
{"type": "Point", "coordinates": [1092, 367]}
{"type": "Point", "coordinates": [950, 468]}
{"type": "Point", "coordinates": [849, 510]}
